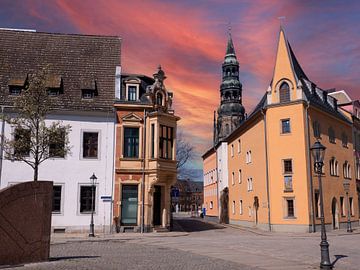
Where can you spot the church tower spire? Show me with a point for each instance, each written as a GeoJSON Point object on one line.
{"type": "Point", "coordinates": [231, 111]}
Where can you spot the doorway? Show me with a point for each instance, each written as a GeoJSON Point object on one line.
{"type": "Point", "coordinates": [157, 206]}
{"type": "Point", "coordinates": [335, 214]}
{"type": "Point", "coordinates": [129, 204]}
{"type": "Point", "coordinates": [256, 207]}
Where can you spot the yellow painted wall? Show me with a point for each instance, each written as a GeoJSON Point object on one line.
{"type": "Point", "coordinates": [333, 185]}
{"type": "Point", "coordinates": [251, 139]}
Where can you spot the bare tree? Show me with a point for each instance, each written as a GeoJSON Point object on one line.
{"type": "Point", "coordinates": [32, 141]}
{"type": "Point", "coordinates": [184, 150]}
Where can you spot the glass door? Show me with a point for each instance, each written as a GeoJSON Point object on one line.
{"type": "Point", "coordinates": [129, 205]}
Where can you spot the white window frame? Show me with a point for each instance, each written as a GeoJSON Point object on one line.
{"type": "Point", "coordinates": [61, 213]}
{"type": "Point", "coordinates": [96, 199]}
{"type": "Point", "coordinates": [98, 131]}
{"type": "Point", "coordinates": [233, 207]}
{"type": "Point", "coordinates": [232, 150]}
{"type": "Point", "coordinates": [239, 146]}
{"type": "Point", "coordinates": [240, 207]}
{"type": "Point", "coordinates": [127, 91]}
{"type": "Point", "coordinates": [240, 176]}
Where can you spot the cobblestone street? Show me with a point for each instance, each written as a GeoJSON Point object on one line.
{"type": "Point", "coordinates": [200, 245]}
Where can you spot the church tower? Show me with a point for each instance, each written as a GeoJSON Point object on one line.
{"type": "Point", "coordinates": [231, 111]}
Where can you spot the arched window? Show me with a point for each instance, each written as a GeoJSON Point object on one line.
{"type": "Point", "coordinates": [344, 139]}
{"type": "Point", "coordinates": [227, 129]}
{"type": "Point", "coordinates": [284, 92]}
{"type": "Point", "coordinates": [331, 135]}
{"type": "Point", "coordinates": [316, 128]}
{"type": "Point", "coordinates": [347, 170]}
{"type": "Point", "coordinates": [159, 99]}
{"type": "Point", "coordinates": [334, 168]}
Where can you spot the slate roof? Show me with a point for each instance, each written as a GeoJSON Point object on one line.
{"type": "Point", "coordinates": [77, 61]}
{"type": "Point", "coordinates": [145, 81]}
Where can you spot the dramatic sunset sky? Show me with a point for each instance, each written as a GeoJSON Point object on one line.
{"type": "Point", "coordinates": [188, 38]}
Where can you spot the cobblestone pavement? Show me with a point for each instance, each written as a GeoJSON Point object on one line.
{"type": "Point", "coordinates": [202, 245]}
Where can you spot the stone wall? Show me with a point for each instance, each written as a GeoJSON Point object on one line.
{"type": "Point", "coordinates": [25, 222]}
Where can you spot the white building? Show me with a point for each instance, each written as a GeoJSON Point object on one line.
{"type": "Point", "coordinates": [85, 74]}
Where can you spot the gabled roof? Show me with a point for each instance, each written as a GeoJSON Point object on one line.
{"type": "Point", "coordinates": [297, 68]}
{"type": "Point", "coordinates": [76, 61]}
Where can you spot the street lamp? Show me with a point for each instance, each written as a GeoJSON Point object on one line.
{"type": "Point", "coordinates": [93, 179]}
{"type": "Point", "coordinates": [346, 185]}
{"type": "Point", "coordinates": [318, 153]}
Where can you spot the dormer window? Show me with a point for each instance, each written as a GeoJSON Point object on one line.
{"type": "Point", "coordinates": [132, 93]}
{"type": "Point", "coordinates": [87, 93]}
{"type": "Point", "coordinates": [14, 90]}
{"type": "Point", "coordinates": [53, 91]}
{"type": "Point", "coordinates": [159, 99]}
{"type": "Point", "coordinates": [55, 85]}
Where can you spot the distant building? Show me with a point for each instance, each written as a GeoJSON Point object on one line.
{"type": "Point", "coordinates": [271, 183]}
{"type": "Point", "coordinates": [188, 196]}
{"type": "Point", "coordinates": [82, 75]}
{"type": "Point", "coordinates": [145, 161]}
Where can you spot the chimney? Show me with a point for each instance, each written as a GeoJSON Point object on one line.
{"type": "Point", "coordinates": [325, 96]}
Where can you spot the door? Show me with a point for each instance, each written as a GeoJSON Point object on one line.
{"type": "Point", "coordinates": [157, 206]}
{"type": "Point", "coordinates": [129, 205]}
{"type": "Point", "coordinates": [256, 207]}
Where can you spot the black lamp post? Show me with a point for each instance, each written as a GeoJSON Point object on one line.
{"type": "Point", "coordinates": [93, 179]}
{"type": "Point", "coordinates": [346, 185]}
{"type": "Point", "coordinates": [318, 153]}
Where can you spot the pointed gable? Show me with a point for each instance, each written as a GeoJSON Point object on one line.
{"type": "Point", "coordinates": [287, 72]}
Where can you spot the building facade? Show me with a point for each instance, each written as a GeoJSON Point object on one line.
{"type": "Point", "coordinates": [82, 75]}
{"type": "Point", "coordinates": [272, 184]}
{"type": "Point", "coordinates": [187, 196]}
{"type": "Point", "coordinates": [145, 162]}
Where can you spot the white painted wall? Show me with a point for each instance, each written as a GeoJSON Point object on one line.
{"type": "Point", "coordinates": [222, 156]}
{"type": "Point", "coordinates": [74, 170]}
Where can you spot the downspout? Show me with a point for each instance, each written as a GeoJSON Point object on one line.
{"type": "Point", "coordinates": [142, 229]}
{"type": "Point", "coordinates": [2, 141]}
{"type": "Point", "coordinates": [113, 170]}
{"type": "Point", "coordinates": [312, 210]}
{"type": "Point", "coordinates": [267, 170]}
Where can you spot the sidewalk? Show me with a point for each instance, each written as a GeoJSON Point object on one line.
{"type": "Point", "coordinates": [254, 230]}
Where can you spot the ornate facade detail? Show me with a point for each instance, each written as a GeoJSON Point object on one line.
{"type": "Point", "coordinates": [231, 111]}
{"type": "Point", "coordinates": [157, 93]}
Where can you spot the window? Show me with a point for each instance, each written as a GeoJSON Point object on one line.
{"type": "Point", "coordinates": [331, 135]}
{"type": "Point", "coordinates": [344, 140]}
{"type": "Point", "coordinates": [288, 166]}
{"type": "Point", "coordinates": [250, 184]}
{"type": "Point", "coordinates": [239, 146]}
{"type": "Point", "coordinates": [131, 142]}
{"type": "Point", "coordinates": [284, 93]}
{"type": "Point", "coordinates": [240, 180]}
{"type": "Point", "coordinates": [334, 167]}
{"type": "Point", "coordinates": [56, 203]}
{"type": "Point", "coordinates": [132, 93]}
{"type": "Point", "coordinates": [290, 213]}
{"type": "Point", "coordinates": [233, 178]}
{"type": "Point", "coordinates": [285, 126]}
{"type": "Point", "coordinates": [233, 207]}
{"type": "Point", "coordinates": [87, 93]}
{"type": "Point", "coordinates": [351, 204]}
{"type": "Point", "coordinates": [357, 171]}
{"type": "Point", "coordinates": [342, 205]}
{"type": "Point", "coordinates": [211, 204]}
{"type": "Point", "coordinates": [232, 150]}
{"type": "Point", "coordinates": [159, 99]}
{"type": "Point", "coordinates": [152, 140]}
{"type": "Point", "coordinates": [57, 143]}
{"type": "Point", "coordinates": [90, 144]}
{"type": "Point", "coordinates": [53, 91]}
{"type": "Point", "coordinates": [14, 90]}
{"type": "Point", "coordinates": [347, 170]}
{"type": "Point", "coordinates": [241, 207]}
{"type": "Point", "coordinates": [22, 142]}
{"type": "Point", "coordinates": [288, 183]}
{"type": "Point", "coordinates": [248, 157]}
{"type": "Point", "coordinates": [166, 142]}
{"type": "Point", "coordinates": [87, 199]}
{"type": "Point", "coordinates": [316, 129]}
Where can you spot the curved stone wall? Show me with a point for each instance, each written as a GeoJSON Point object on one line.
{"type": "Point", "coordinates": [25, 222]}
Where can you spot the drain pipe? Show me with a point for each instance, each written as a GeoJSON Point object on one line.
{"type": "Point", "coordinates": [267, 169]}
{"type": "Point", "coordinates": [142, 229]}
{"type": "Point", "coordinates": [312, 210]}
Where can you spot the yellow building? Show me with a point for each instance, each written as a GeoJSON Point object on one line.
{"type": "Point", "coordinates": [145, 164]}
{"type": "Point", "coordinates": [272, 184]}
